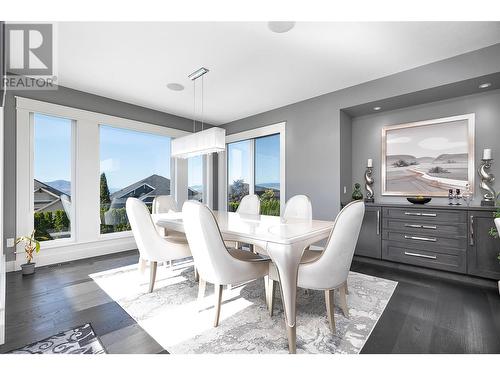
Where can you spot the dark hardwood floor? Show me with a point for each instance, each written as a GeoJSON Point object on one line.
{"type": "Point", "coordinates": [60, 297]}
{"type": "Point", "coordinates": [426, 314]}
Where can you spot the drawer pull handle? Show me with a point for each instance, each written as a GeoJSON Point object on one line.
{"type": "Point", "coordinates": [421, 238]}
{"type": "Point", "coordinates": [429, 227]}
{"type": "Point", "coordinates": [413, 226]}
{"type": "Point", "coordinates": [420, 214]}
{"type": "Point", "coordinates": [420, 255]}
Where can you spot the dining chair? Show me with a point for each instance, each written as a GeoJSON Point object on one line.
{"type": "Point", "coordinates": [216, 263]}
{"type": "Point", "coordinates": [298, 207]}
{"type": "Point", "coordinates": [328, 269]}
{"type": "Point", "coordinates": [152, 246]}
{"type": "Point", "coordinates": [164, 204]}
{"type": "Point", "coordinates": [250, 204]}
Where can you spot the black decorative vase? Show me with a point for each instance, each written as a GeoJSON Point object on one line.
{"type": "Point", "coordinates": [357, 194]}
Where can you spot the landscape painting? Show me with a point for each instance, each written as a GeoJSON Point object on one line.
{"type": "Point", "coordinates": [429, 157]}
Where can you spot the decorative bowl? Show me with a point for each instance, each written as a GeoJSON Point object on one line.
{"type": "Point", "coordinates": [418, 200]}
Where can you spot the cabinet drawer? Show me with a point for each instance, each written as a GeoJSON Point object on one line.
{"type": "Point", "coordinates": [426, 214]}
{"type": "Point", "coordinates": [424, 239]}
{"type": "Point", "coordinates": [426, 229]}
{"type": "Point", "coordinates": [442, 258]}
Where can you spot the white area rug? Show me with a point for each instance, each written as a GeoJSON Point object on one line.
{"type": "Point", "coordinates": [174, 317]}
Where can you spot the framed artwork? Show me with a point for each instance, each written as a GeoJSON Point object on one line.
{"type": "Point", "coordinates": [428, 157]}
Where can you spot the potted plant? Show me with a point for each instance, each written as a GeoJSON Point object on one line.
{"type": "Point", "coordinates": [494, 232]}
{"type": "Point", "coordinates": [31, 246]}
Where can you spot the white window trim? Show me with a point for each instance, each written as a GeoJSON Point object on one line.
{"type": "Point", "coordinates": [278, 128]}
{"type": "Point", "coordinates": [3, 265]}
{"type": "Point", "coordinates": [86, 240]}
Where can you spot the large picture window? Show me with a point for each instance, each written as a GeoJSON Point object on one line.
{"type": "Point", "coordinates": [52, 160]}
{"type": "Point", "coordinates": [132, 164]}
{"type": "Point", "coordinates": [253, 167]}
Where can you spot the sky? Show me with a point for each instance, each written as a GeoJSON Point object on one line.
{"type": "Point", "coordinates": [267, 160]}
{"type": "Point", "coordinates": [127, 156]}
{"type": "Point", "coordinates": [52, 141]}
{"type": "Point", "coordinates": [429, 140]}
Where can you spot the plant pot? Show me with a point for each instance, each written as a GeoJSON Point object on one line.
{"type": "Point", "coordinates": [498, 286]}
{"type": "Point", "coordinates": [28, 268]}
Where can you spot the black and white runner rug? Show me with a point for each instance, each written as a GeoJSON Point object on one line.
{"type": "Point", "coordinates": [79, 340]}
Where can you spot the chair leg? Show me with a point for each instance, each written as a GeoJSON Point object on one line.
{"type": "Point", "coordinates": [196, 274]}
{"type": "Point", "coordinates": [343, 300]}
{"type": "Point", "coordinates": [346, 288]}
{"type": "Point", "coordinates": [218, 300]}
{"type": "Point", "coordinates": [141, 266]}
{"type": "Point", "coordinates": [330, 308]}
{"type": "Point", "coordinates": [270, 295]}
{"type": "Point", "coordinates": [201, 288]}
{"type": "Point", "coordinates": [152, 276]}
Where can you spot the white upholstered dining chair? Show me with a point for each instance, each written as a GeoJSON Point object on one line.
{"type": "Point", "coordinates": [328, 269]}
{"type": "Point", "coordinates": [216, 263]}
{"type": "Point", "coordinates": [152, 246]}
{"type": "Point", "coordinates": [250, 204]}
{"type": "Point", "coordinates": [298, 207]}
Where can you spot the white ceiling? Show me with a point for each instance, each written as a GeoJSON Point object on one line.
{"type": "Point", "coordinates": [252, 70]}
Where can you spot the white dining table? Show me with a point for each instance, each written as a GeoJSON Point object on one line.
{"type": "Point", "coordinates": [284, 242]}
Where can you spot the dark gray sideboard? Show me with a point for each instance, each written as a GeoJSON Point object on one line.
{"type": "Point", "coordinates": [449, 238]}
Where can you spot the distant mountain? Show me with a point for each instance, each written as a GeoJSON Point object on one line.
{"type": "Point", "coordinates": [61, 185]}
{"type": "Point", "coordinates": [269, 185]}
{"type": "Point", "coordinates": [407, 158]}
{"type": "Point", "coordinates": [425, 159]}
{"type": "Point", "coordinates": [453, 158]}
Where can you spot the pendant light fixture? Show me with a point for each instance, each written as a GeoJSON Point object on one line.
{"type": "Point", "coordinates": [205, 141]}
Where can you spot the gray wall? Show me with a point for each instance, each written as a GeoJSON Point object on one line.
{"type": "Point", "coordinates": [345, 157]}
{"type": "Point", "coordinates": [366, 134]}
{"type": "Point", "coordinates": [313, 136]}
{"type": "Point", "coordinates": [75, 99]}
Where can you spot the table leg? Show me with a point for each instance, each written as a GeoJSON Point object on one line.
{"type": "Point", "coordinates": [287, 259]}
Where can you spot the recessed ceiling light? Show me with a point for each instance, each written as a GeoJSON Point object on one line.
{"type": "Point", "coordinates": [280, 26]}
{"type": "Point", "coordinates": [377, 108]}
{"type": "Point", "coordinates": [484, 85]}
{"type": "Point", "coordinates": [175, 86]}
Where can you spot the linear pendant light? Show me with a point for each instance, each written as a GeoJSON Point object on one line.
{"type": "Point", "coordinates": [205, 141]}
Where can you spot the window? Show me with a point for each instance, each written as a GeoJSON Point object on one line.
{"type": "Point", "coordinates": [132, 164]}
{"type": "Point", "coordinates": [52, 160]}
{"type": "Point", "coordinates": [254, 167]}
{"type": "Point", "coordinates": [267, 173]}
{"type": "Point", "coordinates": [238, 172]}
{"type": "Point", "coordinates": [195, 178]}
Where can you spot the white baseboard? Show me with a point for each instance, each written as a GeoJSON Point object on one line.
{"type": "Point", "coordinates": [76, 251]}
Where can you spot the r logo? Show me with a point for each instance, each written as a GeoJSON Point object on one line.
{"type": "Point", "coordinates": [29, 49]}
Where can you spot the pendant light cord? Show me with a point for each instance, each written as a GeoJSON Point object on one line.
{"type": "Point", "coordinates": [194, 106]}
{"type": "Point", "coordinates": [202, 101]}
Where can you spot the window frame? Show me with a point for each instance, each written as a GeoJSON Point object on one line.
{"type": "Point", "coordinates": [278, 128]}
{"type": "Point", "coordinates": [86, 240]}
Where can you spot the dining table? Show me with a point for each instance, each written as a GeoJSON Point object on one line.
{"type": "Point", "coordinates": [283, 240]}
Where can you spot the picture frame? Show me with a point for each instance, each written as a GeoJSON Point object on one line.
{"type": "Point", "coordinates": [427, 158]}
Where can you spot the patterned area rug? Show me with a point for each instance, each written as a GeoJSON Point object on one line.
{"type": "Point", "coordinates": [174, 317]}
{"type": "Point", "coordinates": [79, 340]}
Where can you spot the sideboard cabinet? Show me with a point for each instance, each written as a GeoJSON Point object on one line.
{"type": "Point", "coordinates": [449, 238]}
